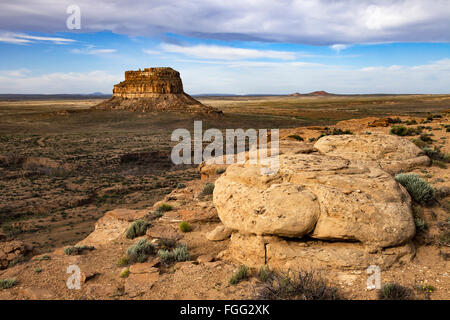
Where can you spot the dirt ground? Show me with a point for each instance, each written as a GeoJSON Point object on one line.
{"type": "Point", "coordinates": [63, 167]}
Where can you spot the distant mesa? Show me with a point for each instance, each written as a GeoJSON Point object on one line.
{"type": "Point", "coordinates": [154, 89]}
{"type": "Point", "coordinates": [312, 94]}
{"type": "Point", "coordinates": [319, 93]}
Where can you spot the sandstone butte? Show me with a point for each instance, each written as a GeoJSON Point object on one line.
{"type": "Point", "coordinates": [154, 90]}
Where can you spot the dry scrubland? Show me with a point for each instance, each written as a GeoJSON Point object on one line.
{"type": "Point", "coordinates": [63, 167]}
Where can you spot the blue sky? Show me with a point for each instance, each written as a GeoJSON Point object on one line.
{"type": "Point", "coordinates": [241, 47]}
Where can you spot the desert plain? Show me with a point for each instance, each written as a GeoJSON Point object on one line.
{"type": "Point", "coordinates": [70, 175]}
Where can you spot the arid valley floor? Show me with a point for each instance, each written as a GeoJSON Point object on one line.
{"type": "Point", "coordinates": [63, 166]}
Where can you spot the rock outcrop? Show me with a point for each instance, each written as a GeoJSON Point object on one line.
{"type": "Point", "coordinates": [392, 153]}
{"type": "Point", "coordinates": [339, 207]}
{"type": "Point", "coordinates": [12, 252]}
{"type": "Point", "coordinates": [154, 89]}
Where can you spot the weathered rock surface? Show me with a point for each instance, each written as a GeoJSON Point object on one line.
{"type": "Point", "coordinates": [12, 251]}
{"type": "Point", "coordinates": [390, 152]}
{"type": "Point", "coordinates": [154, 89]}
{"type": "Point", "coordinates": [112, 226]}
{"type": "Point", "coordinates": [324, 197]}
{"type": "Point", "coordinates": [277, 253]}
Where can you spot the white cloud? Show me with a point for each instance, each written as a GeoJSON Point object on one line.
{"type": "Point", "coordinates": [22, 82]}
{"type": "Point", "coordinates": [226, 53]}
{"type": "Point", "coordinates": [339, 47]}
{"type": "Point", "coordinates": [92, 50]}
{"type": "Point", "coordinates": [323, 22]}
{"type": "Point", "coordinates": [21, 38]}
{"type": "Point", "coordinates": [247, 77]}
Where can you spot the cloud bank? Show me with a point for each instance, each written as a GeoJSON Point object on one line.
{"type": "Point", "coordinates": [318, 22]}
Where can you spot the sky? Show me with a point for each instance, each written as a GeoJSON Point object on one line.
{"type": "Point", "coordinates": [227, 47]}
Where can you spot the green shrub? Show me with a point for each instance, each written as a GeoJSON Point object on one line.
{"type": "Point", "coordinates": [303, 286]}
{"type": "Point", "coordinates": [265, 274]}
{"type": "Point", "coordinates": [125, 273]}
{"type": "Point", "coordinates": [37, 270]}
{"type": "Point", "coordinates": [140, 251]}
{"type": "Point", "coordinates": [404, 131]}
{"type": "Point", "coordinates": [164, 207]}
{"type": "Point", "coordinates": [420, 224]}
{"type": "Point", "coordinates": [241, 274]}
{"type": "Point", "coordinates": [425, 137]}
{"type": "Point", "coordinates": [440, 164]}
{"type": "Point", "coordinates": [418, 188]}
{"type": "Point", "coordinates": [180, 253]}
{"type": "Point", "coordinates": [421, 144]}
{"type": "Point", "coordinates": [185, 227]}
{"type": "Point", "coordinates": [436, 154]}
{"type": "Point", "coordinates": [122, 261]}
{"type": "Point", "coordinates": [8, 283]}
{"type": "Point", "coordinates": [393, 291]}
{"type": "Point", "coordinates": [334, 132]}
{"type": "Point", "coordinates": [296, 137]}
{"type": "Point", "coordinates": [411, 122]}
{"type": "Point", "coordinates": [137, 228]}
{"type": "Point", "coordinates": [207, 189]}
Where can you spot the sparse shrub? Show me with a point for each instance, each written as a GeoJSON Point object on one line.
{"type": "Point", "coordinates": [265, 274]}
{"type": "Point", "coordinates": [394, 291]}
{"type": "Point", "coordinates": [421, 144]}
{"type": "Point", "coordinates": [207, 189]}
{"type": "Point", "coordinates": [125, 273]}
{"type": "Point", "coordinates": [44, 257]}
{"type": "Point", "coordinates": [418, 188]}
{"type": "Point", "coordinates": [425, 137]}
{"type": "Point", "coordinates": [421, 225]}
{"type": "Point", "coordinates": [296, 137]}
{"type": "Point", "coordinates": [185, 227]}
{"type": "Point", "coordinates": [180, 185]}
{"type": "Point", "coordinates": [167, 243]}
{"type": "Point", "coordinates": [334, 132]}
{"type": "Point", "coordinates": [180, 253]}
{"type": "Point", "coordinates": [440, 164]}
{"type": "Point", "coordinates": [137, 228]}
{"type": "Point", "coordinates": [436, 154]}
{"type": "Point", "coordinates": [242, 273]}
{"type": "Point", "coordinates": [426, 289]}
{"type": "Point", "coordinates": [312, 139]}
{"type": "Point", "coordinates": [37, 270]}
{"type": "Point", "coordinates": [8, 283]}
{"type": "Point", "coordinates": [74, 250]}
{"type": "Point", "coordinates": [304, 286]}
{"type": "Point", "coordinates": [411, 122]}
{"type": "Point", "coordinates": [164, 207]}
{"type": "Point", "coordinates": [404, 131]}
{"type": "Point", "coordinates": [122, 261]}
{"type": "Point", "coordinates": [140, 251]}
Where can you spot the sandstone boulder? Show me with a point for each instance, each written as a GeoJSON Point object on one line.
{"type": "Point", "coordinates": [390, 152]}
{"type": "Point", "coordinates": [320, 196]}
